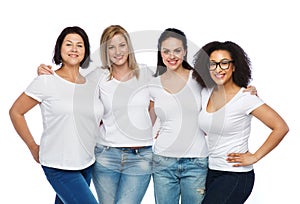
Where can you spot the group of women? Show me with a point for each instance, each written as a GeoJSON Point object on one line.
{"type": "Point", "coordinates": [99, 127]}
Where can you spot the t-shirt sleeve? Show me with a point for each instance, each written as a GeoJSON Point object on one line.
{"type": "Point", "coordinates": [252, 102]}
{"type": "Point", "coordinates": [37, 88]}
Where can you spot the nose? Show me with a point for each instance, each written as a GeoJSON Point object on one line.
{"type": "Point", "coordinates": [74, 48]}
{"type": "Point", "coordinates": [219, 69]}
{"type": "Point", "coordinates": [171, 55]}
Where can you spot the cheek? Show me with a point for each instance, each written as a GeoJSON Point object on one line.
{"type": "Point", "coordinates": [164, 57]}
{"type": "Point", "coordinates": [110, 53]}
{"type": "Point", "coordinates": [211, 75]}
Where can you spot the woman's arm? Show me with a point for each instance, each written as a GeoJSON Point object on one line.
{"type": "Point", "coordinates": [152, 112]}
{"type": "Point", "coordinates": [20, 107]}
{"type": "Point", "coordinates": [279, 129]}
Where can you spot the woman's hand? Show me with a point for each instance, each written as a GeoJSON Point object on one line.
{"type": "Point", "coordinates": [44, 69]}
{"type": "Point", "coordinates": [251, 89]}
{"type": "Point", "coordinates": [241, 159]}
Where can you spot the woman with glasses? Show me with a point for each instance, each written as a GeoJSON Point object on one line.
{"type": "Point", "coordinates": [226, 120]}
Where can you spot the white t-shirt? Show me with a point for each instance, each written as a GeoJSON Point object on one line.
{"type": "Point", "coordinates": [71, 114]}
{"type": "Point", "coordinates": [179, 132]}
{"type": "Point", "coordinates": [126, 120]}
{"type": "Point", "coordinates": [228, 129]}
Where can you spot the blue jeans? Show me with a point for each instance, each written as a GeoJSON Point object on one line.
{"type": "Point", "coordinates": [71, 186]}
{"type": "Point", "coordinates": [177, 179]}
{"type": "Point", "coordinates": [225, 187]}
{"type": "Point", "coordinates": [122, 175]}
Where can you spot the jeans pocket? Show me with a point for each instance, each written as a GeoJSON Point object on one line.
{"type": "Point", "coordinates": [202, 162]}
{"type": "Point", "coordinates": [99, 149]}
{"type": "Point", "coordinates": [146, 154]}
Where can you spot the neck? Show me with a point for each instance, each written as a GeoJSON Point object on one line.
{"type": "Point", "coordinates": [227, 88]}
{"type": "Point", "coordinates": [70, 73]}
{"type": "Point", "coordinates": [177, 72]}
{"type": "Point", "coordinates": [122, 73]}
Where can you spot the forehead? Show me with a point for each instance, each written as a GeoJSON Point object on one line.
{"type": "Point", "coordinates": [73, 37]}
{"type": "Point", "coordinates": [118, 38]}
{"type": "Point", "coordinates": [171, 43]}
{"type": "Point", "coordinates": [220, 54]}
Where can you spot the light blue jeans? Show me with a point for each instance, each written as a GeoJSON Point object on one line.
{"type": "Point", "coordinates": [177, 179]}
{"type": "Point", "coordinates": [71, 186]}
{"type": "Point", "coordinates": [122, 175]}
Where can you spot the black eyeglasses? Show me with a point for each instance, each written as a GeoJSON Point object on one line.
{"type": "Point", "coordinates": [223, 64]}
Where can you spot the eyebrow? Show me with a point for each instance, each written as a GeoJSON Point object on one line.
{"type": "Point", "coordinates": [78, 42]}
{"type": "Point", "coordinates": [163, 48]}
{"type": "Point", "coordinates": [221, 59]}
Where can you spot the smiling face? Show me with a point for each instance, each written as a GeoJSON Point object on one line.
{"type": "Point", "coordinates": [219, 75]}
{"type": "Point", "coordinates": [172, 53]}
{"type": "Point", "coordinates": [72, 50]}
{"type": "Point", "coordinates": [118, 50]}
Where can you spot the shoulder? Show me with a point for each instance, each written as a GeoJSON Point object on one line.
{"type": "Point", "coordinates": [145, 73]}
{"type": "Point", "coordinates": [248, 100]}
{"type": "Point", "coordinates": [96, 73]}
{"type": "Point", "coordinates": [45, 78]}
{"type": "Point", "coordinates": [145, 69]}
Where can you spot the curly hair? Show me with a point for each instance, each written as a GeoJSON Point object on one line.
{"type": "Point", "coordinates": [241, 75]}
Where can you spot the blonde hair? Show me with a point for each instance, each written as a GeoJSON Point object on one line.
{"type": "Point", "coordinates": [107, 35]}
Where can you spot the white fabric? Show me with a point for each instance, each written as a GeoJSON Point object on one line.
{"type": "Point", "coordinates": [179, 132]}
{"type": "Point", "coordinates": [126, 119]}
{"type": "Point", "coordinates": [228, 129]}
{"type": "Point", "coordinates": [71, 114]}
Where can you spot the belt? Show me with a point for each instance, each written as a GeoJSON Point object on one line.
{"type": "Point", "coordinates": [133, 148]}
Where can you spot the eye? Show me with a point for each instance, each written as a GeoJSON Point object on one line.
{"type": "Point", "coordinates": [166, 52]}
{"type": "Point", "coordinates": [177, 51]}
{"type": "Point", "coordinates": [224, 62]}
{"type": "Point", "coordinates": [212, 64]}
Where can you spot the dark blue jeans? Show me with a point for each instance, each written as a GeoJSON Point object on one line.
{"type": "Point", "coordinates": [71, 186]}
{"type": "Point", "coordinates": [223, 187]}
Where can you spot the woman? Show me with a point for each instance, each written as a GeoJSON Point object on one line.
{"type": "Point", "coordinates": [226, 119]}
{"type": "Point", "coordinates": [124, 151]}
{"type": "Point", "coordinates": [71, 112]}
{"type": "Point", "coordinates": [180, 150]}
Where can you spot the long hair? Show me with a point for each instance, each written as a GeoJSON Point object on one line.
{"type": "Point", "coordinates": [106, 36]}
{"type": "Point", "coordinates": [178, 34]}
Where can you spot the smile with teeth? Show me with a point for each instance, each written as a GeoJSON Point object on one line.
{"type": "Point", "coordinates": [73, 55]}
{"type": "Point", "coordinates": [172, 62]}
{"type": "Point", "coordinates": [219, 75]}
{"type": "Point", "coordinates": [119, 57]}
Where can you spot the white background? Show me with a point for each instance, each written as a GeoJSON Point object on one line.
{"type": "Point", "coordinates": [267, 30]}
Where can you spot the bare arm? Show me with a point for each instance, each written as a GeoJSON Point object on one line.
{"type": "Point", "coordinates": [152, 112]}
{"type": "Point", "coordinates": [279, 129]}
{"type": "Point", "coordinates": [20, 107]}
{"type": "Point", "coordinates": [44, 69]}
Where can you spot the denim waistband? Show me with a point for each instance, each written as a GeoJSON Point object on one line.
{"type": "Point", "coordinates": [132, 149]}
